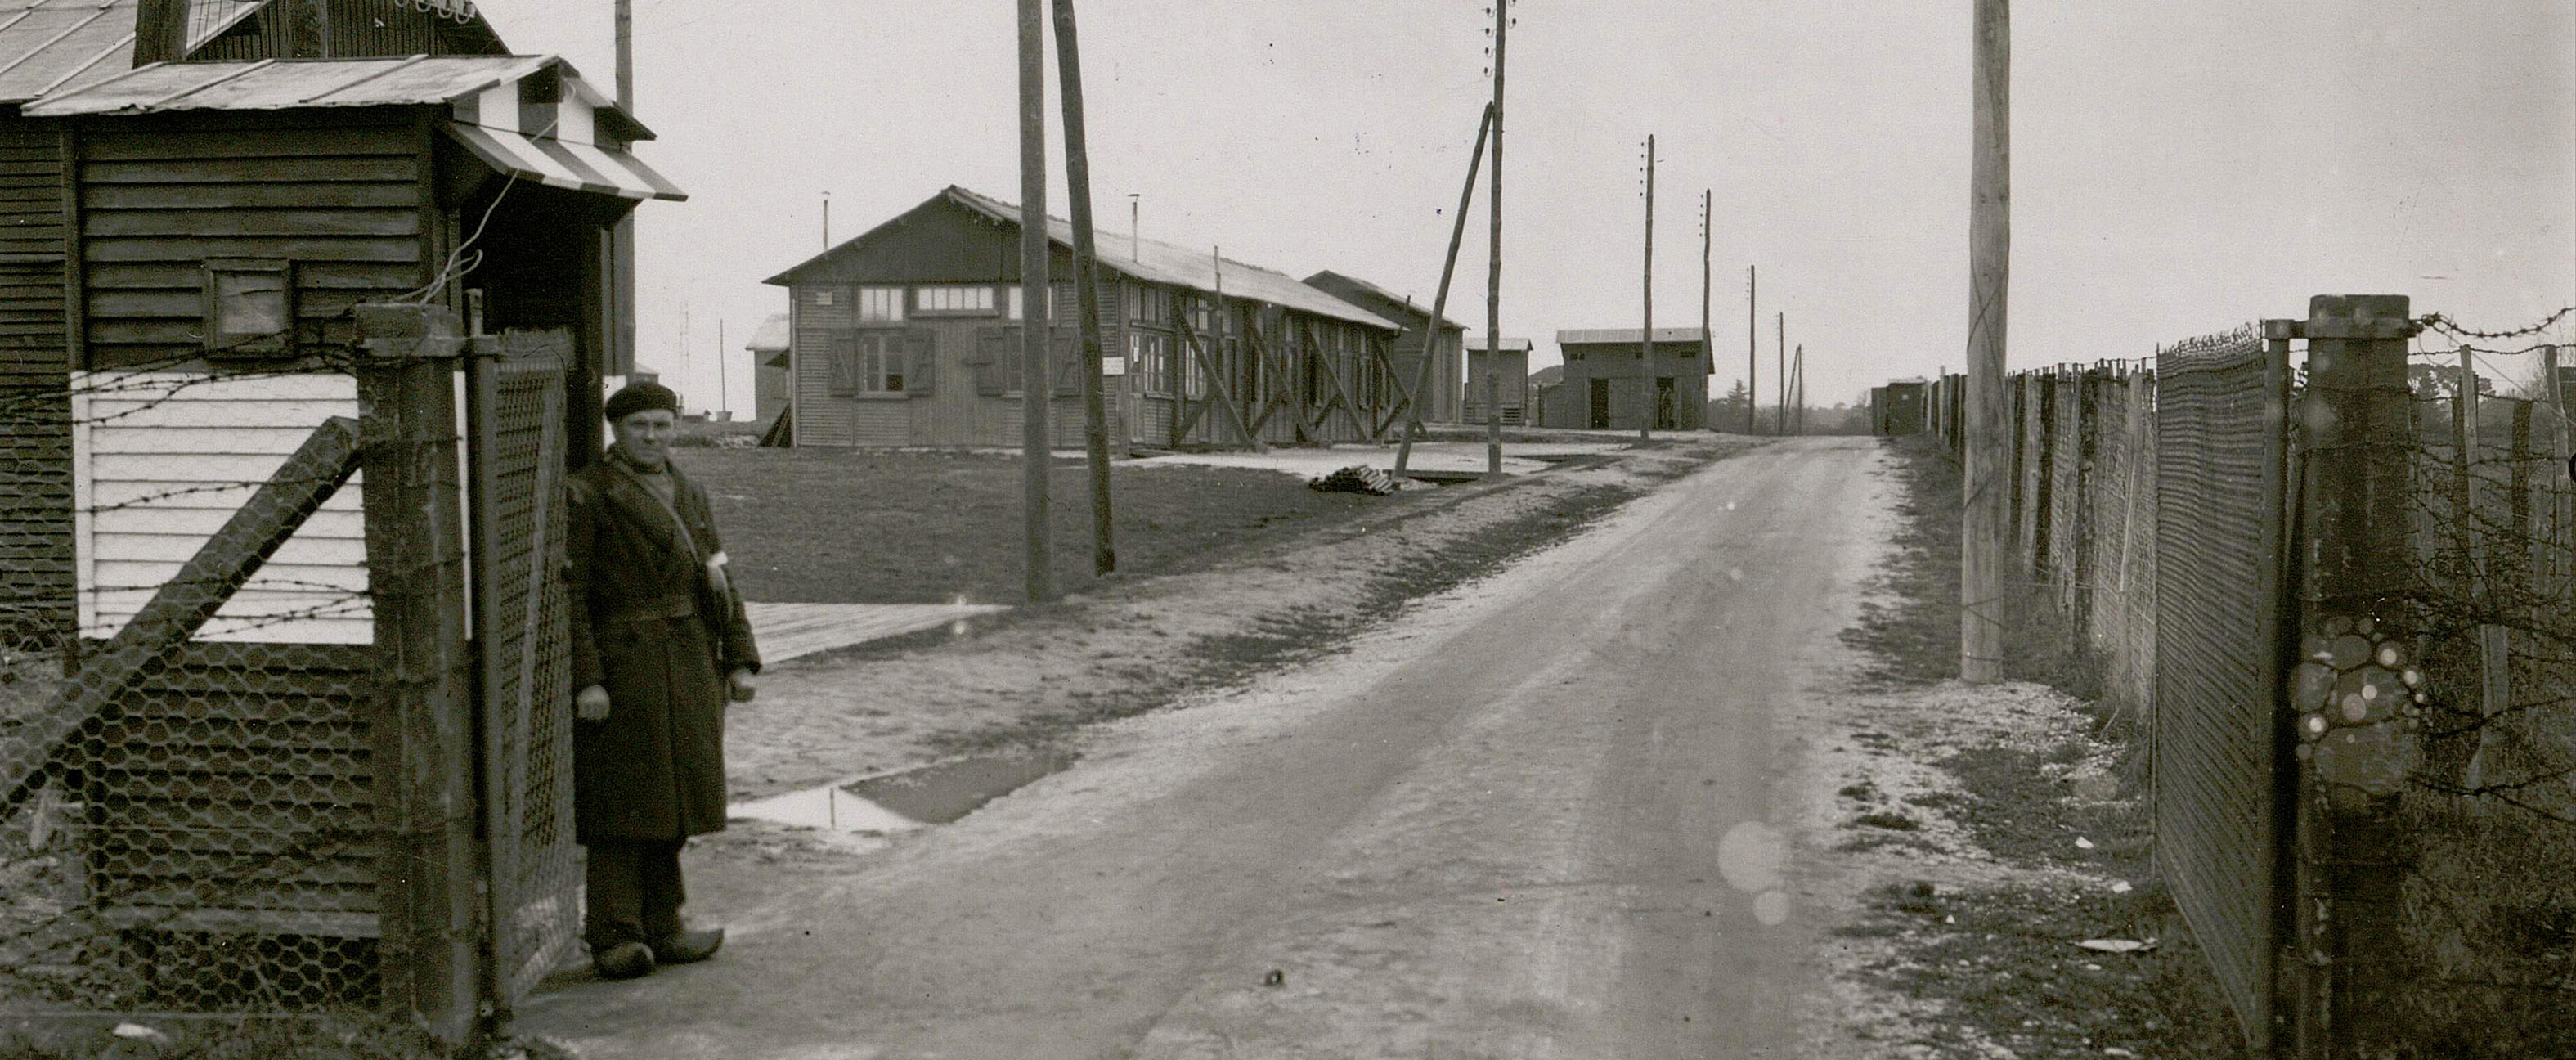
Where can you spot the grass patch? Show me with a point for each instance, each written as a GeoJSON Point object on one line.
{"type": "Point", "coordinates": [878, 526]}
{"type": "Point", "coordinates": [1300, 634]}
{"type": "Point", "coordinates": [352, 1036]}
{"type": "Point", "coordinates": [1909, 630]}
{"type": "Point", "coordinates": [1894, 822]}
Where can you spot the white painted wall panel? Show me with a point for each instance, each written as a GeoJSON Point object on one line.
{"type": "Point", "coordinates": [161, 460]}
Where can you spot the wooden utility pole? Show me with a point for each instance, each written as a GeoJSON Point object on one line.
{"type": "Point", "coordinates": [1440, 300]}
{"type": "Point", "coordinates": [1707, 225]}
{"type": "Point", "coordinates": [1752, 350]}
{"type": "Point", "coordinates": [1086, 289]}
{"type": "Point", "coordinates": [1797, 406]}
{"type": "Point", "coordinates": [1646, 354]}
{"type": "Point", "coordinates": [1036, 390]}
{"type": "Point", "coordinates": [1986, 514]}
{"type": "Point", "coordinates": [1494, 251]}
{"type": "Point", "coordinates": [1780, 334]}
{"type": "Point", "coordinates": [724, 401]}
{"type": "Point", "coordinates": [827, 220]}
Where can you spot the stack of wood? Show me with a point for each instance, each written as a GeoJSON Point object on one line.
{"type": "Point", "coordinates": [1356, 479]}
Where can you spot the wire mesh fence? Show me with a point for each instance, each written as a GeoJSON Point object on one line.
{"type": "Point", "coordinates": [2157, 513]}
{"type": "Point", "coordinates": [203, 793]}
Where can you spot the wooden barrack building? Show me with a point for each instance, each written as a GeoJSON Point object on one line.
{"type": "Point", "coordinates": [908, 335]}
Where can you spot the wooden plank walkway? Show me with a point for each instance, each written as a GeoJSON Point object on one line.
{"type": "Point", "coordinates": [786, 631]}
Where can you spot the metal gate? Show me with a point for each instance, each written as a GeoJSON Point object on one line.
{"type": "Point", "coordinates": [516, 414]}
{"type": "Point", "coordinates": [2221, 405]}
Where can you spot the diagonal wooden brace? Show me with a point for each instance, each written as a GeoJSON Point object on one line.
{"type": "Point", "coordinates": [184, 604]}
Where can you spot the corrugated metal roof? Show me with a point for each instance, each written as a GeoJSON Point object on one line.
{"type": "Point", "coordinates": [772, 335]}
{"type": "Point", "coordinates": [49, 45]}
{"type": "Point", "coordinates": [1592, 336]}
{"type": "Point", "coordinates": [1159, 262]}
{"type": "Point", "coordinates": [1509, 344]}
{"type": "Point", "coordinates": [274, 84]}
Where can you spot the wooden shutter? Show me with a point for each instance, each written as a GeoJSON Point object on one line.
{"type": "Point", "coordinates": [1066, 346]}
{"type": "Point", "coordinates": [921, 372]}
{"type": "Point", "coordinates": [845, 364]}
{"type": "Point", "coordinates": [988, 361]}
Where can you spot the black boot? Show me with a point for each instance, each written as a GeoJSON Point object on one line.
{"type": "Point", "coordinates": [688, 947]}
{"type": "Point", "coordinates": [626, 960]}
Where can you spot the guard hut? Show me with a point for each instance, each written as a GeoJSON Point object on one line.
{"type": "Point", "coordinates": [226, 207]}
{"type": "Point", "coordinates": [1508, 372]}
{"type": "Point", "coordinates": [1606, 390]}
{"type": "Point", "coordinates": [909, 334]}
{"type": "Point", "coordinates": [1439, 403]}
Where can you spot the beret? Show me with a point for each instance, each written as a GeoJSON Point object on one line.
{"type": "Point", "coordinates": [641, 397]}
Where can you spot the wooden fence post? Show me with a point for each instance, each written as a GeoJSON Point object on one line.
{"type": "Point", "coordinates": [2353, 690]}
{"type": "Point", "coordinates": [432, 952]}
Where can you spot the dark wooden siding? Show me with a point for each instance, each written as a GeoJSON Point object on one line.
{"type": "Point", "coordinates": [339, 195]}
{"type": "Point", "coordinates": [36, 551]}
{"type": "Point", "coordinates": [307, 29]}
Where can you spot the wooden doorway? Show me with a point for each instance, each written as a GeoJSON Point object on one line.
{"type": "Point", "coordinates": [1599, 419]}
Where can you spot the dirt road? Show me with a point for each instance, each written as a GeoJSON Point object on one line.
{"type": "Point", "coordinates": [1543, 817]}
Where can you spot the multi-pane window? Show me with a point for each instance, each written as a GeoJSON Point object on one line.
{"type": "Point", "coordinates": [1146, 305]}
{"type": "Point", "coordinates": [868, 362]}
{"type": "Point", "coordinates": [954, 299]}
{"type": "Point", "coordinates": [1058, 295]}
{"type": "Point", "coordinates": [1149, 361]}
{"type": "Point", "coordinates": [880, 304]}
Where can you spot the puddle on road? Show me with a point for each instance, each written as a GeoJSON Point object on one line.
{"type": "Point", "coordinates": [895, 802]}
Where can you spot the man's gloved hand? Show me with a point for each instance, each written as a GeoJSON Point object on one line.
{"type": "Point", "coordinates": [591, 704]}
{"type": "Point", "coordinates": [742, 686]}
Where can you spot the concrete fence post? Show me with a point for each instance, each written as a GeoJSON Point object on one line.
{"type": "Point", "coordinates": [429, 904]}
{"type": "Point", "coordinates": [2354, 692]}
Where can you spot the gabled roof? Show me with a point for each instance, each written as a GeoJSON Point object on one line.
{"type": "Point", "coordinates": [48, 45]}
{"type": "Point", "coordinates": [1344, 285]}
{"type": "Point", "coordinates": [771, 337]}
{"type": "Point", "coordinates": [1152, 261]}
{"type": "Point", "coordinates": [1509, 344]}
{"type": "Point", "coordinates": [1603, 336]}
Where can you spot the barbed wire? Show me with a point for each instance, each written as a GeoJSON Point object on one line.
{"type": "Point", "coordinates": [2444, 324]}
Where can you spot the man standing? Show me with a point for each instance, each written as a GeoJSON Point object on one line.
{"type": "Point", "coordinates": [659, 644]}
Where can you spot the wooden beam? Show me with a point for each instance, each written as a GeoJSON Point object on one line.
{"type": "Point", "coordinates": [1341, 393]}
{"type": "Point", "coordinates": [1279, 376]}
{"type": "Point", "coordinates": [1223, 395]}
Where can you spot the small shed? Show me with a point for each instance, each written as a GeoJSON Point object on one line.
{"type": "Point", "coordinates": [1547, 388]}
{"type": "Point", "coordinates": [1900, 407]}
{"type": "Point", "coordinates": [1440, 402]}
{"type": "Point", "coordinates": [1500, 377]}
{"type": "Point", "coordinates": [768, 348]}
{"type": "Point", "coordinates": [1607, 380]}
{"type": "Point", "coordinates": [909, 333]}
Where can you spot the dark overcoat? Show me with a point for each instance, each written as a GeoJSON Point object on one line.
{"type": "Point", "coordinates": [648, 626]}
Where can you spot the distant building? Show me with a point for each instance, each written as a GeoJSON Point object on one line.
{"type": "Point", "coordinates": [1605, 388]}
{"type": "Point", "coordinates": [1899, 407]}
{"type": "Point", "coordinates": [1547, 387]}
{"type": "Point", "coordinates": [909, 334]}
{"type": "Point", "coordinates": [1442, 404]}
{"type": "Point", "coordinates": [768, 348]}
{"type": "Point", "coordinates": [1509, 369]}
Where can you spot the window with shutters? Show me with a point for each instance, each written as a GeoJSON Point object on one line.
{"type": "Point", "coordinates": [1147, 305]}
{"type": "Point", "coordinates": [868, 363]}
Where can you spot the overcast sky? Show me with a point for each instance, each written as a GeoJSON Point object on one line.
{"type": "Point", "coordinates": [2179, 167]}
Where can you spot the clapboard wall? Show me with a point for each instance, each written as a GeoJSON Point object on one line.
{"type": "Point", "coordinates": [345, 196]}
{"type": "Point", "coordinates": [35, 432]}
{"type": "Point", "coordinates": [166, 457]}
